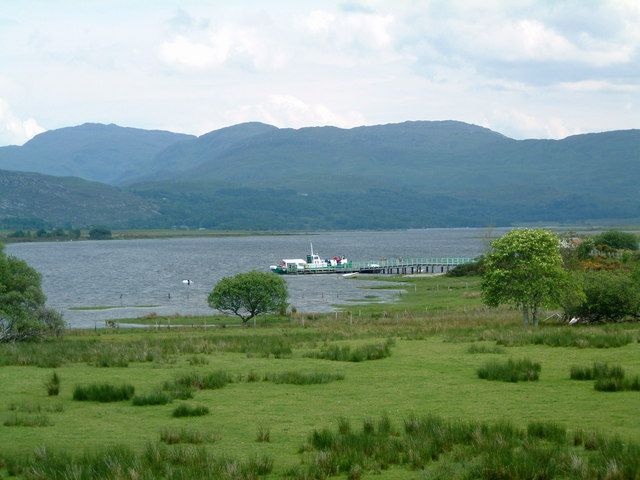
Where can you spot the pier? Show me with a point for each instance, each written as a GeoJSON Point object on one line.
{"type": "Point", "coordinates": [397, 266]}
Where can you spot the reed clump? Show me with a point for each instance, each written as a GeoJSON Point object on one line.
{"type": "Point", "coordinates": [263, 434]}
{"type": "Point", "coordinates": [199, 381]}
{"type": "Point", "coordinates": [53, 385]}
{"type": "Point", "coordinates": [597, 371]}
{"type": "Point", "coordinates": [303, 378]}
{"type": "Point", "coordinates": [522, 370]}
{"type": "Point", "coordinates": [103, 392]}
{"type": "Point", "coordinates": [346, 353]}
{"type": "Point", "coordinates": [20, 420]}
{"type": "Point", "coordinates": [482, 348]}
{"type": "Point", "coordinates": [153, 398]}
{"type": "Point", "coordinates": [185, 410]}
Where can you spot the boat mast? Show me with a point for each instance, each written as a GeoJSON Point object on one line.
{"type": "Point", "coordinates": [311, 243]}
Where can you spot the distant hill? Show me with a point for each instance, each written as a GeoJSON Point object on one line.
{"type": "Point", "coordinates": [105, 153]}
{"type": "Point", "coordinates": [33, 200]}
{"type": "Point", "coordinates": [411, 174]}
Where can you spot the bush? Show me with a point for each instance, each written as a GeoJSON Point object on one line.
{"type": "Point", "coordinates": [617, 240]}
{"type": "Point", "coordinates": [103, 392]}
{"type": "Point", "coordinates": [608, 296]}
{"type": "Point", "coordinates": [475, 268]}
{"type": "Point", "coordinates": [184, 410]}
{"type": "Point", "coordinates": [300, 378]}
{"type": "Point", "coordinates": [155, 398]}
{"type": "Point", "coordinates": [100, 233]}
{"type": "Point", "coordinates": [53, 385]}
{"type": "Point", "coordinates": [523, 370]}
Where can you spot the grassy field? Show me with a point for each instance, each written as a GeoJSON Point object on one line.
{"type": "Point", "coordinates": [268, 389]}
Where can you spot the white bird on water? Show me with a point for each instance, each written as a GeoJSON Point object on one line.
{"type": "Point", "coordinates": [187, 282]}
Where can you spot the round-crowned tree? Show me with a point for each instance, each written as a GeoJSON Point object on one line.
{"type": "Point", "coordinates": [525, 268]}
{"type": "Point", "coordinates": [23, 315]}
{"type": "Point", "coordinates": [250, 294]}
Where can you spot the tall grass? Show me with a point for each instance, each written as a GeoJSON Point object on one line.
{"type": "Point", "coordinates": [35, 408]}
{"type": "Point", "coordinates": [172, 436]}
{"type": "Point", "coordinates": [598, 370]}
{"type": "Point", "coordinates": [523, 370]}
{"type": "Point", "coordinates": [346, 353]}
{"type": "Point", "coordinates": [612, 384]}
{"type": "Point", "coordinates": [20, 420]}
{"type": "Point", "coordinates": [194, 380]}
{"type": "Point", "coordinates": [457, 449]}
{"type": "Point", "coordinates": [53, 385]}
{"type": "Point", "coordinates": [184, 410]}
{"type": "Point", "coordinates": [264, 434]}
{"type": "Point", "coordinates": [103, 392]}
{"type": "Point", "coordinates": [303, 378]}
{"type": "Point", "coordinates": [155, 461]}
{"type": "Point", "coordinates": [563, 337]}
{"type": "Point", "coordinates": [153, 398]}
{"type": "Point", "coordinates": [481, 348]}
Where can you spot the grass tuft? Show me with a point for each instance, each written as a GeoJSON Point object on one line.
{"type": "Point", "coordinates": [547, 430]}
{"type": "Point", "coordinates": [103, 392]}
{"type": "Point", "coordinates": [523, 370]}
{"type": "Point", "coordinates": [53, 385]}
{"type": "Point", "coordinates": [173, 436]}
{"type": "Point", "coordinates": [263, 435]}
{"type": "Point", "coordinates": [599, 370]}
{"type": "Point", "coordinates": [18, 420]}
{"type": "Point", "coordinates": [303, 378]}
{"type": "Point", "coordinates": [184, 410]}
{"type": "Point", "coordinates": [346, 353]}
{"type": "Point", "coordinates": [481, 348]}
{"type": "Point", "coordinates": [153, 398]}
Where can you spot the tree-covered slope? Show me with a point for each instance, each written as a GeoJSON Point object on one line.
{"type": "Point", "coordinates": [32, 199]}
{"type": "Point", "coordinates": [105, 153]}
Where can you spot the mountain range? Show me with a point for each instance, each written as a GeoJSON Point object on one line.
{"type": "Point", "coordinates": [257, 176]}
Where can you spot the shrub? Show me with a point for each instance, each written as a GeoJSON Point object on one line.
{"type": "Point", "coordinates": [617, 240]}
{"type": "Point", "coordinates": [475, 268]}
{"type": "Point", "coordinates": [608, 296]}
{"type": "Point", "coordinates": [510, 371]}
{"type": "Point", "coordinates": [301, 378]}
{"type": "Point", "coordinates": [154, 398]}
{"type": "Point", "coordinates": [103, 392]}
{"type": "Point", "coordinates": [53, 385]}
{"type": "Point", "coordinates": [184, 410]}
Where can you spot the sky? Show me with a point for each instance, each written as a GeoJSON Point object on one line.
{"type": "Point", "coordinates": [527, 69]}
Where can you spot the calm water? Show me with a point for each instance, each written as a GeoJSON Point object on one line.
{"type": "Point", "coordinates": [131, 273]}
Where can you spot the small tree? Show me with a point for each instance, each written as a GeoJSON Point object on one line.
{"type": "Point", "coordinates": [23, 315]}
{"type": "Point", "coordinates": [250, 294]}
{"type": "Point", "coordinates": [524, 268]}
{"type": "Point", "coordinates": [617, 240]}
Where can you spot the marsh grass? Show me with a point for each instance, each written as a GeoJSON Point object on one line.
{"type": "Point", "coordinates": [153, 398]}
{"type": "Point", "coordinates": [53, 385]}
{"type": "Point", "coordinates": [173, 436]}
{"type": "Point", "coordinates": [597, 371]}
{"type": "Point", "coordinates": [460, 449]}
{"type": "Point", "coordinates": [303, 378]}
{"type": "Point", "coordinates": [35, 408]}
{"type": "Point", "coordinates": [195, 360]}
{"type": "Point", "coordinates": [103, 392]}
{"type": "Point", "coordinates": [263, 434]}
{"type": "Point", "coordinates": [194, 380]}
{"type": "Point", "coordinates": [20, 420]}
{"type": "Point", "coordinates": [346, 353]}
{"type": "Point", "coordinates": [482, 348]}
{"type": "Point", "coordinates": [523, 370]}
{"type": "Point", "coordinates": [613, 384]}
{"type": "Point", "coordinates": [563, 337]}
{"type": "Point", "coordinates": [156, 460]}
{"type": "Point", "coordinates": [185, 410]}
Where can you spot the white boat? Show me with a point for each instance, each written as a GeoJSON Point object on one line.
{"type": "Point", "coordinates": [313, 264]}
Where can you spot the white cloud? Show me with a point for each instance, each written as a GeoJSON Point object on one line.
{"type": "Point", "coordinates": [599, 86]}
{"type": "Point", "coordinates": [14, 130]}
{"type": "Point", "coordinates": [525, 125]}
{"type": "Point", "coordinates": [290, 111]}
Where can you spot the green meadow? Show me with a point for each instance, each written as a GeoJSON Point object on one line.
{"type": "Point", "coordinates": [352, 395]}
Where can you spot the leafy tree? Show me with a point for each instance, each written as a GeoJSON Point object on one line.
{"type": "Point", "coordinates": [617, 240]}
{"type": "Point", "coordinates": [23, 315]}
{"type": "Point", "coordinates": [250, 294]}
{"type": "Point", "coordinates": [524, 268]}
{"type": "Point", "coordinates": [608, 296]}
{"type": "Point", "coordinates": [99, 233]}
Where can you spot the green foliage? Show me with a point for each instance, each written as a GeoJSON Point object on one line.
{"type": "Point", "coordinates": [23, 315]}
{"type": "Point", "coordinates": [100, 233]}
{"type": "Point", "coordinates": [374, 351]}
{"type": "Point", "coordinates": [523, 370]}
{"type": "Point", "coordinates": [597, 371]}
{"type": "Point", "coordinates": [184, 410]}
{"type": "Point", "coordinates": [154, 398]}
{"type": "Point", "coordinates": [608, 296]}
{"type": "Point", "coordinates": [249, 294]}
{"type": "Point", "coordinates": [617, 240]}
{"type": "Point", "coordinates": [303, 378]}
{"type": "Point", "coordinates": [53, 385]}
{"type": "Point", "coordinates": [103, 392]}
{"type": "Point", "coordinates": [173, 436]}
{"type": "Point", "coordinates": [525, 268]}
{"type": "Point", "coordinates": [471, 269]}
